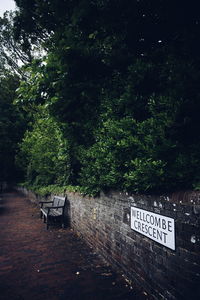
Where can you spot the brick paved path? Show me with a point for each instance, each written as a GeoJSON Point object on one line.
{"type": "Point", "coordinates": [54, 264]}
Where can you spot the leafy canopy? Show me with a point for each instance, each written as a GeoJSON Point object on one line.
{"type": "Point", "coordinates": [123, 80]}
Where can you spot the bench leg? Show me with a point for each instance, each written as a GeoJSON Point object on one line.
{"type": "Point", "coordinates": [63, 224]}
{"type": "Point", "coordinates": [47, 223]}
{"type": "Point", "coordinates": [41, 214]}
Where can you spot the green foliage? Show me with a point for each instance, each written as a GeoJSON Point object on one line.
{"type": "Point", "coordinates": [12, 54]}
{"type": "Point", "coordinates": [131, 154]}
{"type": "Point", "coordinates": [103, 163]}
{"type": "Point", "coordinates": [12, 126]}
{"type": "Point", "coordinates": [46, 190]}
{"type": "Point", "coordinates": [120, 86]}
{"type": "Point", "coordinates": [56, 189]}
{"type": "Point", "coordinates": [44, 152]}
{"type": "Point", "coordinates": [145, 175]}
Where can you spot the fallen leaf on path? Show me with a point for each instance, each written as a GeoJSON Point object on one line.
{"type": "Point", "coordinates": [106, 274]}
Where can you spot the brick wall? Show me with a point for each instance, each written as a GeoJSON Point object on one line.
{"type": "Point", "coordinates": [104, 222]}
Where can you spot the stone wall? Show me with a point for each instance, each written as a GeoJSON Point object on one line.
{"type": "Point", "coordinates": [104, 223]}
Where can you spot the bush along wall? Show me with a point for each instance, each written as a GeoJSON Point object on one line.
{"type": "Point", "coordinates": [153, 240]}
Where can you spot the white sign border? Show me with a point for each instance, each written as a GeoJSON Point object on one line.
{"type": "Point", "coordinates": [173, 235]}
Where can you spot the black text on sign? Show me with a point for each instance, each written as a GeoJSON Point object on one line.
{"type": "Point", "coordinates": [156, 227]}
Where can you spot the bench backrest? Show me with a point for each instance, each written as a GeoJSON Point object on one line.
{"type": "Point", "coordinates": [59, 201]}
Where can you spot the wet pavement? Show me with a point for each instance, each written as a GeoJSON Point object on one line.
{"type": "Point", "coordinates": [54, 264]}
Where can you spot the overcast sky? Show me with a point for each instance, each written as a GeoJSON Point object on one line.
{"type": "Point", "coordinates": [6, 5]}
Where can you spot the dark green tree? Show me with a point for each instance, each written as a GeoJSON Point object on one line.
{"type": "Point", "coordinates": [12, 126]}
{"type": "Point", "coordinates": [123, 76]}
{"type": "Point", "coordinates": [12, 51]}
{"type": "Point", "coordinates": [12, 120]}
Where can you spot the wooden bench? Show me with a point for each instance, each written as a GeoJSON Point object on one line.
{"type": "Point", "coordinates": [53, 209]}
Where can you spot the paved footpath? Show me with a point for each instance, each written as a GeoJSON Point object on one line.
{"type": "Point", "coordinates": [54, 264]}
